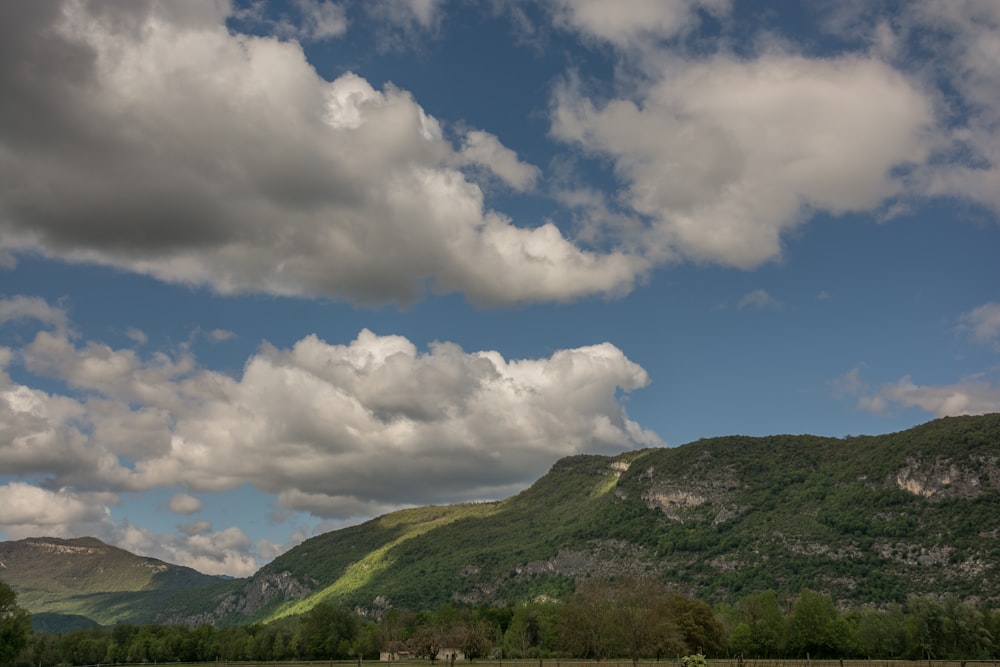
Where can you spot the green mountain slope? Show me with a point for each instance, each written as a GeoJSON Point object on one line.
{"type": "Point", "coordinates": [73, 583]}
{"type": "Point", "coordinates": [867, 520]}
{"type": "Point", "coordinates": [864, 519]}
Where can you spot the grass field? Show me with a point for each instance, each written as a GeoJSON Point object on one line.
{"type": "Point", "coordinates": [624, 662]}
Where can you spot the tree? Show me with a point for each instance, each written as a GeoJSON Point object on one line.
{"type": "Point", "coordinates": [765, 625]}
{"type": "Point", "coordinates": [816, 629]}
{"type": "Point", "coordinates": [477, 640]}
{"type": "Point", "coordinates": [699, 630]}
{"type": "Point", "coordinates": [587, 627]}
{"type": "Point", "coordinates": [741, 640]}
{"type": "Point", "coordinates": [390, 632]}
{"type": "Point", "coordinates": [328, 632]}
{"type": "Point", "coordinates": [647, 626]}
{"type": "Point", "coordinates": [15, 625]}
{"type": "Point", "coordinates": [880, 633]}
{"type": "Point", "coordinates": [925, 627]}
{"type": "Point", "coordinates": [427, 642]}
{"type": "Point", "coordinates": [966, 633]}
{"type": "Point", "coordinates": [523, 632]}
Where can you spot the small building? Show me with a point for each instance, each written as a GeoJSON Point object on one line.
{"type": "Point", "coordinates": [450, 655]}
{"type": "Point", "coordinates": [401, 653]}
{"type": "Point", "coordinates": [394, 656]}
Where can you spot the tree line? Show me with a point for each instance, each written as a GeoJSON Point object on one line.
{"type": "Point", "coordinates": [625, 618]}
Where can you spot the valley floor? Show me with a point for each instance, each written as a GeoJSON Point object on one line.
{"type": "Point", "coordinates": [624, 662]}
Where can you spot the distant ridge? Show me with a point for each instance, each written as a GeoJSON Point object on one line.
{"type": "Point", "coordinates": [85, 581]}
{"type": "Point", "coordinates": [867, 520]}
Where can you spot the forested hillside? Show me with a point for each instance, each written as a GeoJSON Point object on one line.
{"type": "Point", "coordinates": [866, 520]}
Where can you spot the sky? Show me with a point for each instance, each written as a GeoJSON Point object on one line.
{"type": "Point", "coordinates": [268, 269]}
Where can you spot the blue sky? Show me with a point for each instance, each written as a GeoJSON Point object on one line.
{"type": "Point", "coordinates": [271, 268]}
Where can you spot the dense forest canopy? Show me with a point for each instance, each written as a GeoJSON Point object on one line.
{"type": "Point", "coordinates": [628, 618]}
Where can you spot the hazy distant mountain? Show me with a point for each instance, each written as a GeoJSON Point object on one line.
{"type": "Point", "coordinates": [868, 519]}
{"type": "Point", "coordinates": [79, 582]}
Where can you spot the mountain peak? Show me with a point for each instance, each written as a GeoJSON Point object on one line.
{"type": "Point", "coordinates": [68, 546]}
{"type": "Point", "coordinates": [89, 578]}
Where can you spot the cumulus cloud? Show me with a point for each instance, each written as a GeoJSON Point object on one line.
{"type": "Point", "coordinates": [983, 324]}
{"type": "Point", "coordinates": [973, 395]}
{"type": "Point", "coordinates": [269, 550]}
{"type": "Point", "coordinates": [199, 526]}
{"type": "Point", "coordinates": [303, 20]}
{"type": "Point", "coordinates": [322, 19]}
{"type": "Point", "coordinates": [628, 24]}
{"type": "Point", "coordinates": [220, 335]}
{"type": "Point", "coordinates": [184, 503]}
{"type": "Point", "coordinates": [485, 150]}
{"type": "Point", "coordinates": [723, 156]}
{"type": "Point", "coordinates": [339, 430]}
{"type": "Point", "coordinates": [970, 396]}
{"type": "Point", "coordinates": [401, 25]}
{"type": "Point", "coordinates": [27, 510]}
{"type": "Point", "coordinates": [966, 36]}
{"type": "Point", "coordinates": [31, 308]}
{"type": "Point", "coordinates": [25, 507]}
{"type": "Point", "coordinates": [226, 551]}
{"type": "Point", "coordinates": [138, 336]}
{"type": "Point", "coordinates": [965, 70]}
{"type": "Point", "coordinates": [254, 175]}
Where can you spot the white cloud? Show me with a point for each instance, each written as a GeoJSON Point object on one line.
{"type": "Point", "coordinates": [324, 504]}
{"type": "Point", "coordinates": [484, 149]}
{"type": "Point", "coordinates": [322, 19]}
{"type": "Point", "coordinates": [425, 14]}
{"type": "Point", "coordinates": [184, 503]}
{"type": "Point", "coordinates": [137, 335]}
{"type": "Point", "coordinates": [302, 20]}
{"type": "Point", "coordinates": [973, 395]}
{"type": "Point", "coordinates": [41, 433]}
{"type": "Point", "coordinates": [27, 507]}
{"type": "Point", "coordinates": [723, 156]}
{"type": "Point", "coordinates": [226, 551]}
{"type": "Point", "coordinates": [27, 510]}
{"type": "Point", "coordinates": [401, 25]}
{"type": "Point", "coordinates": [199, 526]}
{"type": "Point", "coordinates": [269, 550]}
{"type": "Point", "coordinates": [337, 430]}
{"type": "Point", "coordinates": [759, 300]}
{"type": "Point", "coordinates": [983, 323]}
{"type": "Point", "coordinates": [31, 308]}
{"type": "Point", "coordinates": [970, 396]}
{"type": "Point", "coordinates": [220, 335]}
{"type": "Point", "coordinates": [597, 220]}
{"type": "Point", "coordinates": [125, 150]}
{"type": "Point", "coordinates": [968, 58]}
{"type": "Point", "coordinates": [629, 23]}
{"type": "Point", "coordinates": [848, 384]}
{"type": "Point", "coordinates": [963, 37]}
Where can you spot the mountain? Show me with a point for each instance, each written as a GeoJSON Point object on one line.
{"type": "Point", "coordinates": [75, 583]}
{"type": "Point", "coordinates": [867, 520]}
